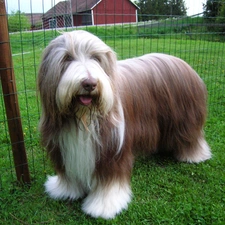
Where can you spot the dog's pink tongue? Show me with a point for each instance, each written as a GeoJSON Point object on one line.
{"type": "Point", "coordinates": [85, 100]}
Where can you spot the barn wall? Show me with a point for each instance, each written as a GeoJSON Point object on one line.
{"type": "Point", "coordinates": [77, 20]}
{"type": "Point", "coordinates": [110, 12]}
{"type": "Point", "coordinates": [45, 23]}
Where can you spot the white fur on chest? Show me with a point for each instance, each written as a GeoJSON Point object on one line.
{"type": "Point", "coordinates": [78, 153]}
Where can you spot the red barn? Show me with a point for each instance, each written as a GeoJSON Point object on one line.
{"type": "Point", "coordinates": [90, 12]}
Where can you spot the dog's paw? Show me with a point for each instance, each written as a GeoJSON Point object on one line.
{"type": "Point", "coordinates": [59, 188]}
{"type": "Point", "coordinates": [199, 154]}
{"type": "Point", "coordinates": [106, 202]}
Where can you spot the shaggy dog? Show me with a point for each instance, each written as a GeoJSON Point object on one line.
{"type": "Point", "coordinates": [97, 113]}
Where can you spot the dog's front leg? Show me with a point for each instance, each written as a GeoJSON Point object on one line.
{"type": "Point", "coordinates": [61, 187]}
{"type": "Point", "coordinates": [107, 200]}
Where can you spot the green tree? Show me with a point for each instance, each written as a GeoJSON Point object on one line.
{"type": "Point", "coordinates": [211, 9]}
{"type": "Point", "coordinates": [156, 9]}
{"type": "Point", "coordinates": [18, 21]}
{"type": "Point", "coordinates": [177, 8]}
{"type": "Point", "coordinates": [214, 15]}
{"type": "Point", "coordinates": [220, 19]}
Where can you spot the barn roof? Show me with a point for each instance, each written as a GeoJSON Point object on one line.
{"type": "Point", "coordinates": [83, 5]}
{"type": "Point", "coordinates": [64, 7]}
{"type": "Point", "coordinates": [59, 9]}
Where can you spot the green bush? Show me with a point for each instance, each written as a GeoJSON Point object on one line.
{"type": "Point", "coordinates": [17, 21]}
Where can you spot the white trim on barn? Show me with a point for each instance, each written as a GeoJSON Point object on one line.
{"type": "Point", "coordinates": [95, 4]}
{"type": "Point", "coordinates": [136, 16]}
{"type": "Point", "coordinates": [92, 17]}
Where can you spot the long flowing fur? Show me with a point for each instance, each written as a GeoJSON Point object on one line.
{"type": "Point", "coordinates": [148, 104]}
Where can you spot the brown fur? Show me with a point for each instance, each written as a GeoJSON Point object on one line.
{"type": "Point", "coordinates": [164, 109]}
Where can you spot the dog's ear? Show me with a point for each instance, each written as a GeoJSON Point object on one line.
{"type": "Point", "coordinates": [49, 74]}
{"type": "Point", "coordinates": [110, 63]}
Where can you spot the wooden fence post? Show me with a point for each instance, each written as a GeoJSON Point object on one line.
{"type": "Point", "coordinates": [11, 101]}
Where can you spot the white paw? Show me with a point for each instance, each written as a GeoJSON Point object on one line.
{"type": "Point", "coordinates": [60, 188]}
{"type": "Point", "coordinates": [106, 202]}
{"type": "Point", "coordinates": [200, 154]}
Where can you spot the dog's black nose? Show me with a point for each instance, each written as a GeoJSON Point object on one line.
{"type": "Point", "coordinates": [89, 84]}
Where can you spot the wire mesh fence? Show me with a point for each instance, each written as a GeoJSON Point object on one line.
{"type": "Point", "coordinates": [131, 29]}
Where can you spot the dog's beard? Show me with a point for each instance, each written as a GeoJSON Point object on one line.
{"type": "Point", "coordinates": [84, 113]}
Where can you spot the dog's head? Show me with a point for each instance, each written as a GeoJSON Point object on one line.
{"type": "Point", "coordinates": [76, 75]}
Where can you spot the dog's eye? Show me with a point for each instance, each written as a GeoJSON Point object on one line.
{"type": "Point", "coordinates": [68, 58]}
{"type": "Point", "coordinates": [96, 58]}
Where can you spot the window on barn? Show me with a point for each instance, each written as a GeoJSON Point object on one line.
{"type": "Point", "coordinates": [67, 21]}
{"type": "Point", "coordinates": [52, 23]}
{"type": "Point", "coordinates": [86, 18]}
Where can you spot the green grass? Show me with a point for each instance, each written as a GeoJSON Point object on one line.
{"type": "Point", "coordinates": [165, 191]}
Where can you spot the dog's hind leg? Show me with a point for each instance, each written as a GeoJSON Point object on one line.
{"type": "Point", "coordinates": [59, 187]}
{"type": "Point", "coordinates": [196, 153]}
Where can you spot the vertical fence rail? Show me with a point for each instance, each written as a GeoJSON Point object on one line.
{"type": "Point", "coordinates": [11, 101]}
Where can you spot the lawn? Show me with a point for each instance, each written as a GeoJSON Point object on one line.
{"type": "Point", "coordinates": [164, 191]}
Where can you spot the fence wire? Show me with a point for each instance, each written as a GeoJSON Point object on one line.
{"type": "Point", "coordinates": [130, 30]}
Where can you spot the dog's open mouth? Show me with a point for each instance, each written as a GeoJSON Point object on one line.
{"type": "Point", "coordinates": [85, 99]}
